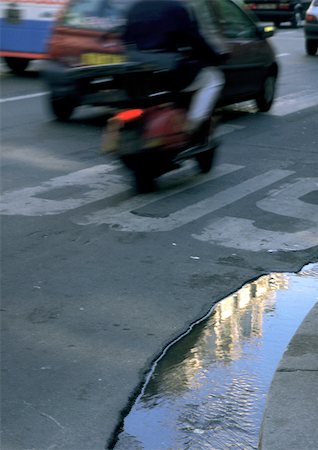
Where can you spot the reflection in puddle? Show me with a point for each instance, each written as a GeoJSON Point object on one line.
{"type": "Point", "coordinates": [209, 389]}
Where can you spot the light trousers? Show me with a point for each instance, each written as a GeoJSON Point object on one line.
{"type": "Point", "coordinates": [207, 87]}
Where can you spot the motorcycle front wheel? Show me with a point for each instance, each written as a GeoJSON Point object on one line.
{"type": "Point", "coordinates": [205, 160]}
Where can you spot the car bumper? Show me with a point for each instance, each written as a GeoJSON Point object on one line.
{"type": "Point", "coordinates": [94, 85]}
{"type": "Point", "coordinates": [311, 31]}
{"type": "Point", "coordinates": [274, 16]}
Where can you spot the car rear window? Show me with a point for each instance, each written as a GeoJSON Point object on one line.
{"type": "Point", "coordinates": [95, 14]}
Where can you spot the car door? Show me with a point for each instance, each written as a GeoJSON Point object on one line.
{"type": "Point", "coordinates": [245, 69]}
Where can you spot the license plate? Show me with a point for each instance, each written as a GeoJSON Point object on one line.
{"type": "Point", "coordinates": [96, 59]}
{"type": "Point", "coordinates": [267, 6]}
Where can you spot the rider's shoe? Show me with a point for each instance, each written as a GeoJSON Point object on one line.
{"type": "Point", "coordinates": [199, 133]}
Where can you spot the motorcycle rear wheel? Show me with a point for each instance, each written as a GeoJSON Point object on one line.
{"type": "Point", "coordinates": [144, 182]}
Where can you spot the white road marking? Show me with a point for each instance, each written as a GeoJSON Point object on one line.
{"type": "Point", "coordinates": [283, 105]}
{"type": "Point", "coordinates": [238, 233]}
{"type": "Point", "coordinates": [127, 221]}
{"type": "Point", "coordinates": [287, 201]}
{"type": "Point", "coordinates": [141, 201]}
{"type": "Point", "coordinates": [23, 97]}
{"type": "Point", "coordinates": [234, 232]}
{"type": "Point", "coordinates": [226, 128]}
{"type": "Point", "coordinates": [94, 183]}
{"type": "Point", "coordinates": [86, 186]}
{"type": "Point", "coordinates": [291, 103]}
{"type": "Point", "coordinates": [65, 193]}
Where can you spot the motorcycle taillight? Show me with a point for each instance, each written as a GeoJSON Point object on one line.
{"type": "Point", "coordinates": [129, 115]}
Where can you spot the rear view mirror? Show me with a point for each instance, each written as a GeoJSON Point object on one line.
{"type": "Point", "coordinates": [269, 31]}
{"type": "Point", "coordinates": [266, 31]}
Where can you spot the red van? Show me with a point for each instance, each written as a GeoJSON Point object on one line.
{"type": "Point", "coordinates": [87, 62]}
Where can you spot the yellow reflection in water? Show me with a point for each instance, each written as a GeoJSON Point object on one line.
{"type": "Point", "coordinates": [236, 319]}
{"type": "Point", "coordinates": [210, 388]}
{"type": "Point", "coordinates": [240, 316]}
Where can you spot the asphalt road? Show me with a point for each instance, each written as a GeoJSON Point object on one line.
{"type": "Point", "coordinates": [96, 281]}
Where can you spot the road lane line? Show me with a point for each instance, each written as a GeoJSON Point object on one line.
{"type": "Point", "coordinates": [283, 105]}
{"type": "Point", "coordinates": [127, 221]}
{"type": "Point", "coordinates": [64, 193]}
{"type": "Point", "coordinates": [243, 234]}
{"type": "Point", "coordinates": [140, 201]}
{"type": "Point", "coordinates": [23, 97]}
{"type": "Point", "coordinates": [292, 103]}
{"type": "Point", "coordinates": [80, 188]}
{"type": "Point", "coordinates": [289, 202]}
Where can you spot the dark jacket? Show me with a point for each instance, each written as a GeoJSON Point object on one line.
{"type": "Point", "coordinates": [169, 26]}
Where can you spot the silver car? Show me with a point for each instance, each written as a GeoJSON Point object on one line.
{"type": "Point", "coordinates": [311, 28]}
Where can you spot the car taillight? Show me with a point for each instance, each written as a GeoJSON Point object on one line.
{"type": "Point", "coordinates": [250, 6]}
{"type": "Point", "coordinates": [311, 18]}
{"type": "Point", "coordinates": [284, 5]}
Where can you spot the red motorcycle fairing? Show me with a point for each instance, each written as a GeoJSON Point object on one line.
{"type": "Point", "coordinates": [164, 127]}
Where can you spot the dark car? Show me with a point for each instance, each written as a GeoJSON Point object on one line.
{"type": "Point", "coordinates": [279, 11]}
{"type": "Point", "coordinates": [88, 64]}
{"type": "Point", "coordinates": [311, 28]}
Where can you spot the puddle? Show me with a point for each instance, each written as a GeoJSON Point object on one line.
{"type": "Point", "coordinates": [208, 390]}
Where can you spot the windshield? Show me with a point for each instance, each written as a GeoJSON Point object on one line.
{"type": "Point", "coordinates": [96, 14]}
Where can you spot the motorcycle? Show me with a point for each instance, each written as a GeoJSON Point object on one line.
{"type": "Point", "coordinates": [148, 132]}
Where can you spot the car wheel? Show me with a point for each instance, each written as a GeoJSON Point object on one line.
{"type": "Point", "coordinates": [17, 65]}
{"type": "Point", "coordinates": [311, 47]}
{"type": "Point", "coordinates": [265, 98]}
{"type": "Point", "coordinates": [296, 19]}
{"type": "Point", "coordinates": [62, 108]}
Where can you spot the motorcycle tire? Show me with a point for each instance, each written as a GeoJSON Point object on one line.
{"type": "Point", "coordinates": [205, 160]}
{"type": "Point", "coordinates": [61, 108]}
{"type": "Point", "coordinates": [144, 182]}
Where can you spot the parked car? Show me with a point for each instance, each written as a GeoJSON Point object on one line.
{"type": "Point", "coordinates": [88, 64]}
{"type": "Point", "coordinates": [279, 11]}
{"type": "Point", "coordinates": [311, 28]}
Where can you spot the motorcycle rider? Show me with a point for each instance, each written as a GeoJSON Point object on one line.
{"type": "Point", "coordinates": [170, 26]}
